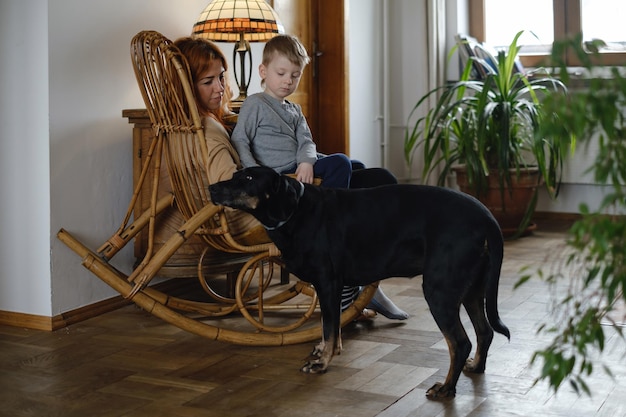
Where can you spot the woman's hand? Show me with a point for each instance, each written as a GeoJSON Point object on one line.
{"type": "Point", "coordinates": [304, 173]}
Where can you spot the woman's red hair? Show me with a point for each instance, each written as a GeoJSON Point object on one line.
{"type": "Point", "coordinates": [200, 53]}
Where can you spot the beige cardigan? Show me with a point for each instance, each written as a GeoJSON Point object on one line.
{"type": "Point", "coordinates": [222, 162]}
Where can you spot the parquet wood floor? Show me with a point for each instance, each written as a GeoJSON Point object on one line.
{"type": "Point", "coordinates": [128, 363]}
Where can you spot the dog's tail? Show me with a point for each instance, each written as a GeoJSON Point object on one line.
{"type": "Point", "coordinates": [495, 245]}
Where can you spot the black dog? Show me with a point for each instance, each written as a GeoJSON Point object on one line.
{"type": "Point", "coordinates": [333, 238]}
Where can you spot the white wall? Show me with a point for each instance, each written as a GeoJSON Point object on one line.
{"type": "Point", "coordinates": [388, 70]}
{"type": "Point", "coordinates": [91, 81]}
{"type": "Point", "coordinates": [65, 150]}
{"type": "Point", "coordinates": [387, 56]}
{"type": "Point", "coordinates": [388, 67]}
{"type": "Point", "coordinates": [579, 185]}
{"type": "Point", "coordinates": [366, 38]}
{"type": "Point", "coordinates": [24, 153]}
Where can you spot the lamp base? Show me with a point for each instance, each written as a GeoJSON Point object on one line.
{"type": "Point", "coordinates": [235, 104]}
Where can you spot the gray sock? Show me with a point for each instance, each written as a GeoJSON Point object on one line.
{"type": "Point", "coordinates": [383, 305]}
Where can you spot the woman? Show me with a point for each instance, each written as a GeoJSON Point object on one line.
{"type": "Point", "coordinates": [208, 71]}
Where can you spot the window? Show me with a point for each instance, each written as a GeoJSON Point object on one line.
{"type": "Point", "coordinates": [543, 21]}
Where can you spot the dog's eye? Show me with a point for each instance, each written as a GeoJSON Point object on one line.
{"type": "Point", "coordinates": [249, 177]}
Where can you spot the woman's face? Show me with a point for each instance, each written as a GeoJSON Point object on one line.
{"type": "Point", "coordinates": [210, 86]}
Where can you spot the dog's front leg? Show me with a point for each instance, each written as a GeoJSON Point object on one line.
{"type": "Point", "coordinates": [330, 345]}
{"type": "Point", "coordinates": [319, 348]}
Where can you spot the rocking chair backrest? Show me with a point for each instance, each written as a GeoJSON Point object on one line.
{"type": "Point", "coordinates": [164, 78]}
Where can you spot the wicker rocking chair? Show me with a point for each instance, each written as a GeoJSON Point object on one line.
{"type": "Point", "coordinates": [264, 310]}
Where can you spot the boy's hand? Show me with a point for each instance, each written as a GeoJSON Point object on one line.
{"type": "Point", "coordinates": [304, 173]}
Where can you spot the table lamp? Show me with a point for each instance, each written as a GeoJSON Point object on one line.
{"type": "Point", "coordinates": [242, 22]}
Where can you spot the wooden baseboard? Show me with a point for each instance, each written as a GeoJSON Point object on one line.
{"type": "Point", "coordinates": [36, 322]}
{"type": "Point", "coordinates": [556, 216]}
{"type": "Point", "coordinates": [32, 321]}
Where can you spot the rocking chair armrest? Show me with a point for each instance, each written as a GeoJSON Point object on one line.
{"type": "Point", "coordinates": [222, 230]}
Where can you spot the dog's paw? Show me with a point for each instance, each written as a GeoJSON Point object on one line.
{"type": "Point", "coordinates": [439, 391]}
{"type": "Point", "coordinates": [318, 349]}
{"type": "Point", "coordinates": [314, 367]}
{"type": "Point", "coordinates": [474, 366]}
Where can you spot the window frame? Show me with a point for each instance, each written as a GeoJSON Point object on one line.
{"type": "Point", "coordinates": [567, 21]}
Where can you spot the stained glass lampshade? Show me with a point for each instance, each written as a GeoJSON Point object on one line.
{"type": "Point", "coordinates": [239, 21]}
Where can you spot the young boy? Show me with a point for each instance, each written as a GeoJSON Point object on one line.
{"type": "Point", "coordinates": [273, 132]}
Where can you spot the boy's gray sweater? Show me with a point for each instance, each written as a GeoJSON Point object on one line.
{"type": "Point", "coordinates": [273, 134]}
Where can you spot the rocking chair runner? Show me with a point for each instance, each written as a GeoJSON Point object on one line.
{"type": "Point", "coordinates": [163, 77]}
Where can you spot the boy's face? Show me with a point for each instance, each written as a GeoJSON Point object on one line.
{"type": "Point", "coordinates": [281, 76]}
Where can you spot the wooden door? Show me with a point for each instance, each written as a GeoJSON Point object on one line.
{"type": "Point", "coordinates": [331, 76]}
{"type": "Point", "coordinates": [323, 91]}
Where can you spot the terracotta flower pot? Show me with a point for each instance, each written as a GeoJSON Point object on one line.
{"type": "Point", "coordinates": [511, 208]}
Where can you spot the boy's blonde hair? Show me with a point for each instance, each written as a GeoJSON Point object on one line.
{"type": "Point", "coordinates": [288, 46]}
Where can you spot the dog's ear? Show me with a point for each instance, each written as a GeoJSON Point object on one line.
{"type": "Point", "coordinates": [278, 183]}
{"type": "Point", "coordinates": [291, 187]}
{"type": "Point", "coordinates": [286, 186]}
{"type": "Point", "coordinates": [283, 201]}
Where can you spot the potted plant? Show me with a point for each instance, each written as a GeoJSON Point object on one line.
{"type": "Point", "coordinates": [485, 131]}
{"type": "Point", "coordinates": [589, 302]}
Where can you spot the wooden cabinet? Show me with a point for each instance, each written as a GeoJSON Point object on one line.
{"type": "Point", "coordinates": [184, 262]}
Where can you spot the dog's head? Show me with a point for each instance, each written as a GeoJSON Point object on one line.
{"type": "Point", "coordinates": [270, 197]}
